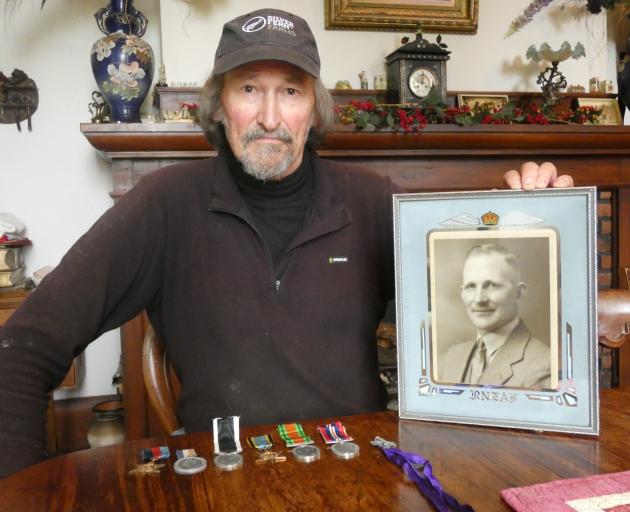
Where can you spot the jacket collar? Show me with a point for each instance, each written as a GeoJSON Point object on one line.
{"type": "Point", "coordinates": [328, 212]}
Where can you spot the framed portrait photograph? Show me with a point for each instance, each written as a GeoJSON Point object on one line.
{"type": "Point", "coordinates": [470, 100]}
{"type": "Point", "coordinates": [496, 308]}
{"type": "Point", "coordinates": [446, 16]}
{"type": "Point", "coordinates": [611, 115]}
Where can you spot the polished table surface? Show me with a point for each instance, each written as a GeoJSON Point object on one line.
{"type": "Point", "coordinates": [473, 464]}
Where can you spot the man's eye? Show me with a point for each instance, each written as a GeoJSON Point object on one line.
{"type": "Point", "coordinates": [248, 88]}
{"type": "Point", "coordinates": [291, 91]}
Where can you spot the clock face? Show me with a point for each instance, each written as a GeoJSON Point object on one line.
{"type": "Point", "coordinates": [421, 80]}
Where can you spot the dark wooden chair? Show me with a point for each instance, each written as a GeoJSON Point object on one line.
{"type": "Point", "coordinates": [161, 382]}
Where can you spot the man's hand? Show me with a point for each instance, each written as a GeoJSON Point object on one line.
{"type": "Point", "coordinates": [533, 176]}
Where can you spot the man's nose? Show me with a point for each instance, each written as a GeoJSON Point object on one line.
{"type": "Point", "coordinates": [481, 295]}
{"type": "Point", "coordinates": [269, 112]}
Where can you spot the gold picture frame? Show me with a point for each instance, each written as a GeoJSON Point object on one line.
{"type": "Point", "coordinates": [449, 16]}
{"type": "Point", "coordinates": [611, 115]}
{"type": "Point", "coordinates": [497, 100]}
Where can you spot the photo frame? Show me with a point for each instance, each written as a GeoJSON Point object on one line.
{"type": "Point", "coordinates": [497, 100]}
{"type": "Point", "coordinates": [611, 115]}
{"type": "Point", "coordinates": [446, 16]}
{"type": "Point", "coordinates": [504, 277]}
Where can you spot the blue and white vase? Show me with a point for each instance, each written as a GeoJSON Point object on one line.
{"type": "Point", "coordinates": [122, 62]}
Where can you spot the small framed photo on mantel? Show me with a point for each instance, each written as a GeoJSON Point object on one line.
{"type": "Point", "coordinates": [495, 305]}
{"type": "Point", "coordinates": [610, 113]}
{"type": "Point", "coordinates": [481, 100]}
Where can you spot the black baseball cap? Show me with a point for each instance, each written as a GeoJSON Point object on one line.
{"type": "Point", "coordinates": [267, 34]}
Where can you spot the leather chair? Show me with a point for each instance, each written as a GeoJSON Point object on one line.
{"type": "Point", "coordinates": [613, 317]}
{"type": "Point", "coordinates": [161, 382]}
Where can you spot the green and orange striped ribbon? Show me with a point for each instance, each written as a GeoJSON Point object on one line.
{"type": "Point", "coordinates": [293, 435]}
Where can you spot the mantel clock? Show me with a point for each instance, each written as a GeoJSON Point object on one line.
{"type": "Point", "coordinates": [414, 69]}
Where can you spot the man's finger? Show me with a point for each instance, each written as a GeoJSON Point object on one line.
{"type": "Point", "coordinates": [512, 179]}
{"type": "Point", "coordinates": [563, 181]}
{"type": "Point", "coordinates": [529, 175]}
{"type": "Point", "coordinates": [547, 175]}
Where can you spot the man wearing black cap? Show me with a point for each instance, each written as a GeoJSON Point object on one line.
{"type": "Point", "coordinates": [264, 271]}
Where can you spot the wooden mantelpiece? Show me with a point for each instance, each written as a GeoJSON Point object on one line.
{"type": "Point", "coordinates": [438, 158]}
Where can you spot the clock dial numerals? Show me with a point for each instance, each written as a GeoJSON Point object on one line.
{"type": "Point", "coordinates": [421, 80]}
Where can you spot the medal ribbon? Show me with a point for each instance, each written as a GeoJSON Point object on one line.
{"type": "Point", "coordinates": [419, 470]}
{"type": "Point", "coordinates": [334, 433]}
{"type": "Point", "coordinates": [263, 442]}
{"type": "Point", "coordinates": [226, 434]}
{"type": "Point", "coordinates": [293, 435]}
{"type": "Point", "coordinates": [157, 453]}
{"type": "Point", "coordinates": [189, 452]}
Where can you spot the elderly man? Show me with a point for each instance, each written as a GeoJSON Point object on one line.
{"type": "Point", "coordinates": [265, 270]}
{"type": "Point", "coordinates": [503, 353]}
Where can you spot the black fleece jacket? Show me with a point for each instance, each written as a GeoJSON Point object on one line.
{"type": "Point", "coordinates": [244, 339]}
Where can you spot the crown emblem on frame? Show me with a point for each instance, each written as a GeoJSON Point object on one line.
{"type": "Point", "coordinates": [490, 219]}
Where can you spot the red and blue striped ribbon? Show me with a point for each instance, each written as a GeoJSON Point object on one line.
{"type": "Point", "coordinates": [334, 433]}
{"type": "Point", "coordinates": [156, 453]}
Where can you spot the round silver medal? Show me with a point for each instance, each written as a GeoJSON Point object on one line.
{"type": "Point", "coordinates": [306, 453]}
{"type": "Point", "coordinates": [228, 461]}
{"type": "Point", "coordinates": [190, 465]}
{"type": "Point", "coordinates": [345, 450]}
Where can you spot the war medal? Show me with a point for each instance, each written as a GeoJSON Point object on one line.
{"type": "Point", "coordinates": [148, 468]}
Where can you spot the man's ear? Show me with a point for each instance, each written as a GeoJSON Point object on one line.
{"type": "Point", "coordinates": [521, 290]}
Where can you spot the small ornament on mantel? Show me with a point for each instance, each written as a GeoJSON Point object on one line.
{"type": "Point", "coordinates": [552, 81]}
{"type": "Point", "coordinates": [162, 77]}
{"type": "Point", "coordinates": [363, 80]}
{"type": "Point", "coordinates": [415, 69]}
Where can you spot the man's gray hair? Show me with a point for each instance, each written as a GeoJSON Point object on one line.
{"type": "Point", "coordinates": [485, 249]}
{"type": "Point", "coordinates": [210, 105]}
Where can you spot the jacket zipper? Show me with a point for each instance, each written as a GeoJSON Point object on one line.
{"type": "Point", "coordinates": [276, 282]}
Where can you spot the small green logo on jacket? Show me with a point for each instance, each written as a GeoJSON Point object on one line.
{"type": "Point", "coordinates": [337, 259]}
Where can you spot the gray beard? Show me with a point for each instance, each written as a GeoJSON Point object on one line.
{"type": "Point", "coordinates": [253, 164]}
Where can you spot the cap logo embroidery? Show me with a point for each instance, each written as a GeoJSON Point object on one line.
{"type": "Point", "coordinates": [254, 24]}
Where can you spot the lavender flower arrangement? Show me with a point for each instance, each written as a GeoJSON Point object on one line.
{"type": "Point", "coordinates": [592, 6]}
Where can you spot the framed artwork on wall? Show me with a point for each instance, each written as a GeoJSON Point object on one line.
{"type": "Point", "coordinates": [448, 16]}
{"type": "Point", "coordinates": [495, 305]}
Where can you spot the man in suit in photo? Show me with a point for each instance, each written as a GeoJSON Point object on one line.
{"type": "Point", "coordinates": [504, 352]}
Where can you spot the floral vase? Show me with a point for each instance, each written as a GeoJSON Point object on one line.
{"type": "Point", "coordinates": [122, 62]}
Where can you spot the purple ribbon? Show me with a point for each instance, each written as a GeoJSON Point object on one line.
{"type": "Point", "coordinates": [419, 469]}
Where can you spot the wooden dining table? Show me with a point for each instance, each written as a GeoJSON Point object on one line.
{"type": "Point", "coordinates": [473, 464]}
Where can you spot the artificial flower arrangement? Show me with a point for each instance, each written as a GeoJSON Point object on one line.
{"type": "Point", "coordinates": [369, 115]}
{"type": "Point", "coordinates": [592, 6]}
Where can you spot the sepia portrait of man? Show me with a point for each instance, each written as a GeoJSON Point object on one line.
{"type": "Point", "coordinates": [500, 334]}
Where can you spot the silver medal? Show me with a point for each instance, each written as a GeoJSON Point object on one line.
{"type": "Point", "coordinates": [306, 453]}
{"type": "Point", "coordinates": [345, 450]}
{"type": "Point", "coordinates": [190, 465]}
{"type": "Point", "coordinates": [228, 461]}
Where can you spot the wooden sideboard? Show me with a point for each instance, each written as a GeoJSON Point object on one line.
{"type": "Point", "coordinates": [440, 157]}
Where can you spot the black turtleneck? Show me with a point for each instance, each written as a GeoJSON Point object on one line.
{"type": "Point", "coordinates": [279, 207]}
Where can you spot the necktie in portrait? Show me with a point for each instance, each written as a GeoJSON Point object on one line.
{"type": "Point", "coordinates": [477, 363]}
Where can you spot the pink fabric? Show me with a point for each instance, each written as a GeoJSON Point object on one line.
{"type": "Point", "coordinates": [553, 496]}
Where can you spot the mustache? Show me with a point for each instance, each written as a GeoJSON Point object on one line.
{"type": "Point", "coordinates": [258, 132]}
